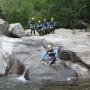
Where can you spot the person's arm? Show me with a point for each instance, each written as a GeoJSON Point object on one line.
{"type": "Point", "coordinates": [52, 52]}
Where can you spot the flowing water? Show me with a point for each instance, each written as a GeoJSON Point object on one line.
{"type": "Point", "coordinates": [19, 83]}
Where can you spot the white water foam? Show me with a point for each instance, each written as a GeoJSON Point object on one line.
{"type": "Point", "coordinates": [21, 78]}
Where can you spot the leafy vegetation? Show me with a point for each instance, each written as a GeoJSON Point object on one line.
{"type": "Point", "coordinates": [66, 12]}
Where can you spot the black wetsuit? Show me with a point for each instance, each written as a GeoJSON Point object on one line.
{"type": "Point", "coordinates": [52, 26]}
{"type": "Point", "coordinates": [32, 27]}
{"type": "Point", "coordinates": [52, 56]}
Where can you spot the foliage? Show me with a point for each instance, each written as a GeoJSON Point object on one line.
{"type": "Point", "coordinates": [64, 11]}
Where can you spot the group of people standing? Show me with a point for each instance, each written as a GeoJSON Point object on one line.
{"type": "Point", "coordinates": [44, 27]}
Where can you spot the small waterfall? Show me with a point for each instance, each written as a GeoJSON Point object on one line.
{"type": "Point", "coordinates": [21, 78]}
{"type": "Point", "coordinates": [19, 70]}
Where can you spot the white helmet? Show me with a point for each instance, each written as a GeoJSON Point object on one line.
{"type": "Point", "coordinates": [39, 21]}
{"type": "Point", "coordinates": [49, 46]}
{"type": "Point", "coordinates": [33, 18]}
{"type": "Point", "coordinates": [52, 18]}
{"type": "Point", "coordinates": [44, 19]}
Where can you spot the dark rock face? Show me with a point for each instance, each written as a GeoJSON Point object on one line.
{"type": "Point", "coordinates": [27, 73]}
{"type": "Point", "coordinates": [69, 55]}
{"type": "Point", "coordinates": [79, 24]}
{"type": "Point", "coordinates": [4, 27]}
{"type": "Point", "coordinates": [20, 68]}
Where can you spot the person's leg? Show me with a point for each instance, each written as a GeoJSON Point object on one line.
{"type": "Point", "coordinates": [53, 31]}
{"type": "Point", "coordinates": [53, 59]}
{"type": "Point", "coordinates": [39, 31]}
{"type": "Point", "coordinates": [34, 32]}
{"type": "Point", "coordinates": [46, 31]}
{"type": "Point", "coordinates": [50, 30]}
{"type": "Point", "coordinates": [31, 31]}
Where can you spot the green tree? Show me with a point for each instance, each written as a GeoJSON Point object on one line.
{"type": "Point", "coordinates": [64, 11]}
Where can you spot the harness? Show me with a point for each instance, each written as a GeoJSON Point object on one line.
{"type": "Point", "coordinates": [52, 24]}
{"type": "Point", "coordinates": [51, 53]}
{"type": "Point", "coordinates": [32, 25]}
{"type": "Point", "coordinates": [39, 26]}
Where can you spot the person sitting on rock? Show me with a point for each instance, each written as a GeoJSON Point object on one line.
{"type": "Point", "coordinates": [50, 55]}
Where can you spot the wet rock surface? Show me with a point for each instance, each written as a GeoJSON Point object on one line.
{"type": "Point", "coordinates": [25, 57]}
{"type": "Point", "coordinates": [76, 48]}
{"type": "Point", "coordinates": [22, 55]}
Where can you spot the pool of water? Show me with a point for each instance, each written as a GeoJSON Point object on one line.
{"type": "Point", "coordinates": [18, 83]}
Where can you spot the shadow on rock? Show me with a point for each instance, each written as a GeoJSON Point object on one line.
{"type": "Point", "coordinates": [69, 55]}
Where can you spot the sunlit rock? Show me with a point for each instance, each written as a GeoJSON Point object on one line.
{"type": "Point", "coordinates": [16, 30]}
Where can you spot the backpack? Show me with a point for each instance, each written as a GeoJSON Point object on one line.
{"type": "Point", "coordinates": [45, 25]}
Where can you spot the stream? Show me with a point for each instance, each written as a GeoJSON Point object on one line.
{"type": "Point", "coordinates": [19, 83]}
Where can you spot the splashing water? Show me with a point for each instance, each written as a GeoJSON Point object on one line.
{"type": "Point", "coordinates": [21, 78]}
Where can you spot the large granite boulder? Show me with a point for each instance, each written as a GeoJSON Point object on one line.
{"type": "Point", "coordinates": [4, 27]}
{"type": "Point", "coordinates": [26, 61]}
{"type": "Point", "coordinates": [76, 49]}
{"type": "Point", "coordinates": [3, 63]}
{"type": "Point", "coordinates": [25, 54]}
{"type": "Point", "coordinates": [82, 71]}
{"type": "Point", "coordinates": [16, 30]}
{"type": "Point", "coordinates": [6, 50]}
{"type": "Point", "coordinates": [39, 71]}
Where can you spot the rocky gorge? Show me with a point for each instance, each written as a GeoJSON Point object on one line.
{"type": "Point", "coordinates": [20, 53]}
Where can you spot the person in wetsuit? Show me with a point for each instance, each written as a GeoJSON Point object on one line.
{"type": "Point", "coordinates": [51, 54]}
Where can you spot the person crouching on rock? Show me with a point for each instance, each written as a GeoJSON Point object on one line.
{"type": "Point", "coordinates": [50, 55]}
